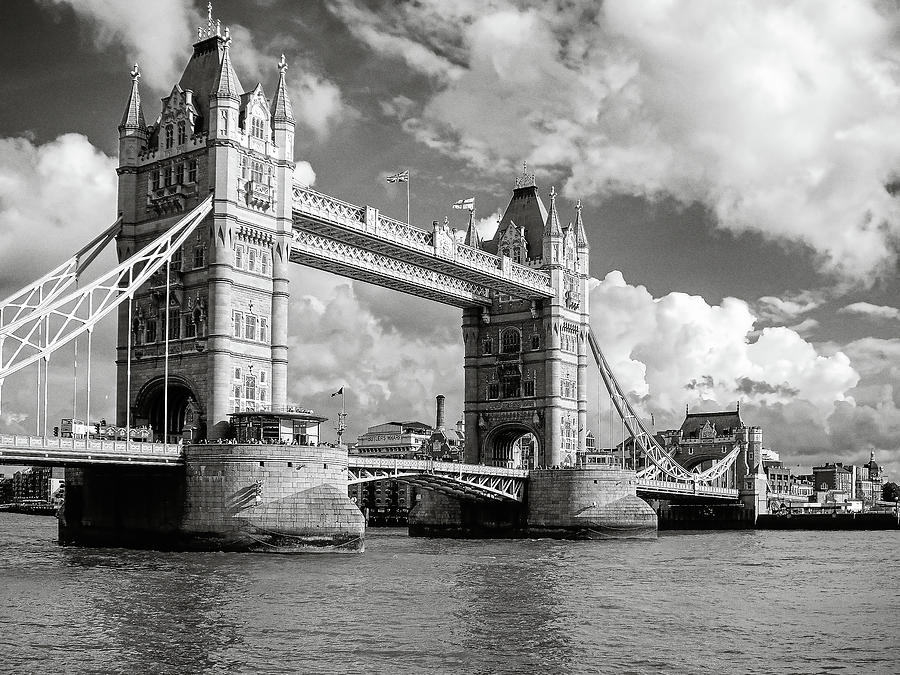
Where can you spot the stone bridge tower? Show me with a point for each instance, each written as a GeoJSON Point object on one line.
{"type": "Point", "coordinates": [228, 286]}
{"type": "Point", "coordinates": [526, 361]}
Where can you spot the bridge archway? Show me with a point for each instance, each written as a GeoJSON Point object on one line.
{"type": "Point", "coordinates": [512, 445]}
{"type": "Point", "coordinates": [185, 418]}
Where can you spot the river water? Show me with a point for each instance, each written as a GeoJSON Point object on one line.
{"type": "Point", "coordinates": [711, 602]}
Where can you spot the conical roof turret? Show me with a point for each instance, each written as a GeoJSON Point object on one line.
{"type": "Point", "coordinates": [580, 235]}
{"type": "Point", "coordinates": [133, 119]}
{"type": "Point", "coordinates": [552, 227]}
{"type": "Point", "coordinates": [282, 111]}
{"type": "Point", "coordinates": [472, 239]}
{"type": "Point", "coordinates": [227, 84]}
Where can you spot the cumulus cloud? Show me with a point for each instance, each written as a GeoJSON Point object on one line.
{"type": "Point", "coordinates": [877, 312]}
{"type": "Point", "coordinates": [778, 117]}
{"type": "Point", "coordinates": [151, 32]}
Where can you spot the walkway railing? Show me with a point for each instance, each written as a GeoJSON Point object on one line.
{"type": "Point", "coordinates": [37, 449]}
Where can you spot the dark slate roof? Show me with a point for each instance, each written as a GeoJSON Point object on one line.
{"type": "Point", "coordinates": [201, 75]}
{"type": "Point", "coordinates": [723, 422]}
{"type": "Point", "coordinates": [526, 209]}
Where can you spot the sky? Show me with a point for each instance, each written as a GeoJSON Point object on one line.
{"type": "Point", "coordinates": [738, 162]}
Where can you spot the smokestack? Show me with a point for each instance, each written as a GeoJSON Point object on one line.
{"type": "Point", "coordinates": [439, 423]}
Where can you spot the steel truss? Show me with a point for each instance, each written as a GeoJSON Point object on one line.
{"type": "Point", "coordinates": [54, 283]}
{"type": "Point", "coordinates": [662, 463]}
{"type": "Point", "coordinates": [472, 481]}
{"type": "Point", "coordinates": [55, 322]}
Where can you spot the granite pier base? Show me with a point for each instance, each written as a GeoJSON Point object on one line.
{"type": "Point", "coordinates": [278, 498]}
{"type": "Point", "coordinates": [559, 503]}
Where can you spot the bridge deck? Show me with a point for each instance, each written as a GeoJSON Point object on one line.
{"type": "Point", "coordinates": [37, 450]}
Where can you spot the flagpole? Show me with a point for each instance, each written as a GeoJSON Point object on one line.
{"type": "Point", "coordinates": [408, 180]}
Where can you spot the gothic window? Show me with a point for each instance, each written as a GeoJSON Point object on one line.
{"type": "Point", "coordinates": [237, 391]}
{"type": "Point", "coordinates": [237, 373]}
{"type": "Point", "coordinates": [250, 388]}
{"type": "Point", "coordinates": [510, 341]}
{"type": "Point", "coordinates": [154, 179]}
{"type": "Point", "coordinates": [169, 136]}
{"type": "Point", "coordinates": [528, 388]}
{"type": "Point", "coordinates": [264, 260]}
{"type": "Point", "coordinates": [199, 256]}
{"type": "Point", "coordinates": [168, 179]}
{"type": "Point", "coordinates": [488, 346]}
{"type": "Point", "coordinates": [263, 332]}
{"type": "Point", "coordinates": [190, 328]}
{"type": "Point", "coordinates": [175, 328]}
{"type": "Point", "coordinates": [238, 320]}
{"type": "Point", "coordinates": [249, 327]}
{"type": "Point", "coordinates": [535, 340]}
{"type": "Point", "coordinates": [239, 257]}
{"type": "Point", "coordinates": [256, 171]}
{"type": "Point", "coordinates": [245, 171]}
{"type": "Point", "coordinates": [179, 174]}
{"type": "Point", "coordinates": [192, 171]}
{"type": "Point", "coordinates": [181, 134]}
{"type": "Point", "coordinates": [493, 390]}
{"type": "Point", "coordinates": [151, 331]}
{"type": "Point", "coordinates": [251, 259]}
{"type": "Point", "coordinates": [176, 259]}
{"type": "Point", "coordinates": [511, 386]}
{"type": "Point", "coordinates": [262, 374]}
{"type": "Point", "coordinates": [257, 127]}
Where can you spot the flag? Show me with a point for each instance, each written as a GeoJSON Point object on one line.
{"type": "Point", "coordinates": [338, 392]}
{"type": "Point", "coordinates": [468, 203]}
{"type": "Point", "coordinates": [402, 177]}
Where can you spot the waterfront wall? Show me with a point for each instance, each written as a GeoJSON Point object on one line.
{"type": "Point", "coordinates": [225, 497]}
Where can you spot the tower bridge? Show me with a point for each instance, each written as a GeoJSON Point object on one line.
{"type": "Point", "coordinates": [210, 219]}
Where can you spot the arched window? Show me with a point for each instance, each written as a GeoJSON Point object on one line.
{"type": "Point", "coordinates": [169, 136]}
{"type": "Point", "coordinates": [511, 341]}
{"type": "Point", "coordinates": [182, 137]}
{"type": "Point", "coordinates": [257, 127]}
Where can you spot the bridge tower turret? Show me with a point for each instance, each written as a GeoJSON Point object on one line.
{"type": "Point", "coordinates": [223, 317]}
{"type": "Point", "coordinates": [526, 359]}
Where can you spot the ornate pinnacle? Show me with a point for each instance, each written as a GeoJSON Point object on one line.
{"type": "Point", "coordinates": [135, 73]}
{"type": "Point", "coordinates": [578, 205]}
{"type": "Point", "coordinates": [282, 65]}
{"type": "Point", "coordinates": [525, 180]}
{"type": "Point", "coordinates": [553, 193]}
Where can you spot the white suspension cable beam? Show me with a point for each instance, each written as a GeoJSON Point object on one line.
{"type": "Point", "coordinates": [55, 282]}
{"type": "Point", "coordinates": [662, 461]}
{"type": "Point", "coordinates": [99, 298]}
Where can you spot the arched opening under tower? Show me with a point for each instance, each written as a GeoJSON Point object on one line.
{"type": "Point", "coordinates": [512, 446]}
{"type": "Point", "coordinates": [183, 411]}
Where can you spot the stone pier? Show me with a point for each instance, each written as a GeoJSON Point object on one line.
{"type": "Point", "coordinates": [560, 504]}
{"type": "Point", "coordinates": [280, 498]}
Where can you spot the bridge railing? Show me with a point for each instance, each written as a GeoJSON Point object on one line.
{"type": "Point", "coordinates": [690, 488]}
{"type": "Point", "coordinates": [90, 445]}
{"type": "Point", "coordinates": [356, 461]}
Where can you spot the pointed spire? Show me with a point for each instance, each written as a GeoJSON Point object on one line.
{"type": "Point", "coordinates": [473, 239]}
{"type": "Point", "coordinates": [552, 227]}
{"type": "Point", "coordinates": [282, 111]}
{"type": "Point", "coordinates": [134, 113]}
{"type": "Point", "coordinates": [580, 235]}
{"type": "Point", "coordinates": [227, 84]}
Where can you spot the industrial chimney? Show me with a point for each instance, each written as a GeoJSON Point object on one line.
{"type": "Point", "coordinates": [439, 423]}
